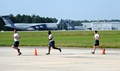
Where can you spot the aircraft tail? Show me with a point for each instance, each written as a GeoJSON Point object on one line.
{"type": "Point", "coordinates": [59, 21]}
{"type": "Point", "coordinates": [69, 25]}
{"type": "Point", "coordinates": [8, 22]}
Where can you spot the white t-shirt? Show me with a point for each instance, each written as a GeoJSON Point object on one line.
{"type": "Point", "coordinates": [16, 34]}
{"type": "Point", "coordinates": [96, 36]}
{"type": "Point", "coordinates": [51, 37]}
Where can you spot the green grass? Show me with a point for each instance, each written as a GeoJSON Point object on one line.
{"type": "Point", "coordinates": [109, 39]}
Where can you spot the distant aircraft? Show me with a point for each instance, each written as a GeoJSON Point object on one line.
{"type": "Point", "coordinates": [70, 26]}
{"type": "Point", "coordinates": [30, 26]}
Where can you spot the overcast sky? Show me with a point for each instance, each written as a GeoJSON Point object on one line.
{"type": "Point", "coordinates": [63, 9]}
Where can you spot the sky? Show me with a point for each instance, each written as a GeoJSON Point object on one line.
{"type": "Point", "coordinates": [63, 9]}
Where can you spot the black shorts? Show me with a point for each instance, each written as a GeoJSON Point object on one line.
{"type": "Point", "coordinates": [96, 43]}
{"type": "Point", "coordinates": [16, 43]}
{"type": "Point", "coordinates": [52, 43]}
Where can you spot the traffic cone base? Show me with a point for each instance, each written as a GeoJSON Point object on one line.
{"type": "Point", "coordinates": [103, 51]}
{"type": "Point", "coordinates": [35, 52]}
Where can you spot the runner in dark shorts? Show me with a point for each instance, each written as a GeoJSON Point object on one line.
{"type": "Point", "coordinates": [51, 43]}
{"type": "Point", "coordinates": [16, 42]}
{"type": "Point", "coordinates": [96, 43]}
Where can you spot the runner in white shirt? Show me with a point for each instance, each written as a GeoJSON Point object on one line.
{"type": "Point", "coordinates": [96, 43]}
{"type": "Point", "coordinates": [16, 42]}
{"type": "Point", "coordinates": [51, 43]}
{"type": "Point", "coordinates": [17, 37]}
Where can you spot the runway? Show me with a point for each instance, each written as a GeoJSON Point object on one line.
{"type": "Point", "coordinates": [70, 59]}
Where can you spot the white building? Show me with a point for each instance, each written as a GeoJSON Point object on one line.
{"type": "Point", "coordinates": [87, 26]}
{"type": "Point", "coordinates": [105, 25]}
{"type": "Point", "coordinates": [102, 25]}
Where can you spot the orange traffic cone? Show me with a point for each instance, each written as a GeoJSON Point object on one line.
{"type": "Point", "coordinates": [35, 52]}
{"type": "Point", "coordinates": [103, 51]}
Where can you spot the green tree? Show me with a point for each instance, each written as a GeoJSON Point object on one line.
{"type": "Point", "coordinates": [18, 18]}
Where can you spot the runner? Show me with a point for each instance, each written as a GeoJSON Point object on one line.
{"type": "Point", "coordinates": [96, 43]}
{"type": "Point", "coordinates": [51, 43]}
{"type": "Point", "coordinates": [16, 42]}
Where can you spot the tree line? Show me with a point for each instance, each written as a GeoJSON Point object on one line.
{"type": "Point", "coordinates": [31, 19]}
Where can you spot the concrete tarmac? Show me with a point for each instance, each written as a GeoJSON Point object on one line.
{"type": "Point", "coordinates": [70, 59]}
